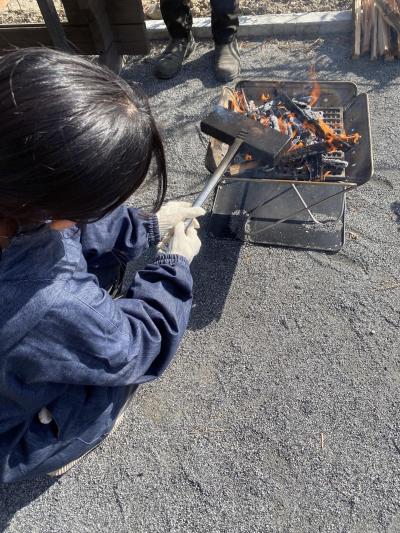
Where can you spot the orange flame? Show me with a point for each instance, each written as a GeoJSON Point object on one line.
{"type": "Point", "coordinates": [235, 106]}
{"type": "Point", "coordinates": [237, 102]}
{"type": "Point", "coordinates": [282, 126]}
{"type": "Point", "coordinates": [296, 147]}
{"type": "Point", "coordinates": [316, 88]}
{"type": "Point", "coordinates": [315, 94]}
{"type": "Point", "coordinates": [248, 157]}
{"type": "Point", "coordinates": [265, 97]}
{"type": "Point", "coordinates": [331, 136]}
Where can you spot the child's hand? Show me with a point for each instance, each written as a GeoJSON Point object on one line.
{"type": "Point", "coordinates": [174, 212]}
{"type": "Point", "coordinates": [186, 244]}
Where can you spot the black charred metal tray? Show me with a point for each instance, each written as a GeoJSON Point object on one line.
{"type": "Point", "coordinates": [291, 211]}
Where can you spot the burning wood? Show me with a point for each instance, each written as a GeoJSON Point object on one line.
{"type": "Point", "coordinates": [376, 28]}
{"type": "Point", "coordinates": [318, 142]}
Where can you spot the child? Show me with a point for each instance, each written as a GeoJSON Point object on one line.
{"type": "Point", "coordinates": [75, 142]}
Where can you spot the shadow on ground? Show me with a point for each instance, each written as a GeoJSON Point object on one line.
{"type": "Point", "coordinates": [213, 270]}
{"type": "Point", "coordinates": [199, 69]}
{"type": "Point", "coordinates": [18, 495]}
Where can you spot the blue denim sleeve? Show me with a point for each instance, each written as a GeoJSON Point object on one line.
{"type": "Point", "coordinates": [106, 342]}
{"type": "Point", "coordinates": [125, 232]}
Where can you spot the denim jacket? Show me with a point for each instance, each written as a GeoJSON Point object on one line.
{"type": "Point", "coordinates": [66, 345]}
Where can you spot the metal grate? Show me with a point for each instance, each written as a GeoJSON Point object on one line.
{"type": "Point", "coordinates": [333, 116]}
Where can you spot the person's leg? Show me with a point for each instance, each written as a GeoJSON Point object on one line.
{"type": "Point", "coordinates": [178, 19]}
{"type": "Point", "coordinates": [225, 23]}
{"type": "Point", "coordinates": [127, 394]}
{"type": "Point", "coordinates": [225, 20]}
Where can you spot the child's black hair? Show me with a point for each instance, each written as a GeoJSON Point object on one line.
{"type": "Point", "coordinates": [76, 140]}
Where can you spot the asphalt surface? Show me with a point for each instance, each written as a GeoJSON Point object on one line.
{"type": "Point", "coordinates": [283, 346]}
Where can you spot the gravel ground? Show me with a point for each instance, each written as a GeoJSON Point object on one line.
{"type": "Point", "coordinates": [19, 11]}
{"type": "Point", "coordinates": [283, 345]}
{"type": "Point", "coordinates": [24, 11]}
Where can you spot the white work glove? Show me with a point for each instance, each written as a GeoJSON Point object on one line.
{"type": "Point", "coordinates": [172, 213]}
{"type": "Point", "coordinates": [186, 244]}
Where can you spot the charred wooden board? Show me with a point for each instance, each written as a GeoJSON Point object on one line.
{"type": "Point", "coordinates": [265, 143]}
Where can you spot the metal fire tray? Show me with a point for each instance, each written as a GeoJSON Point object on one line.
{"type": "Point", "coordinates": [294, 212]}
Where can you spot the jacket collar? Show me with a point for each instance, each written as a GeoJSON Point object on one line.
{"type": "Point", "coordinates": [38, 253]}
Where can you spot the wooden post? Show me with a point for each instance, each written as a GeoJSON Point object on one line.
{"type": "Point", "coordinates": [397, 49]}
{"type": "Point", "coordinates": [374, 42]}
{"type": "Point", "coordinates": [383, 36]}
{"type": "Point", "coordinates": [367, 6]}
{"type": "Point", "coordinates": [103, 37]}
{"type": "Point", "coordinates": [391, 11]}
{"type": "Point", "coordinates": [53, 24]}
{"type": "Point", "coordinates": [357, 28]}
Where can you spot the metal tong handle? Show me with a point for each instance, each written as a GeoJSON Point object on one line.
{"type": "Point", "coordinates": [219, 172]}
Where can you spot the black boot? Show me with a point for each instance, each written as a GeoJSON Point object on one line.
{"type": "Point", "coordinates": [170, 61]}
{"type": "Point", "coordinates": [227, 61]}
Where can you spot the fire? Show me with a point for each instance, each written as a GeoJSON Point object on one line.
{"type": "Point", "coordinates": [331, 137]}
{"type": "Point", "coordinates": [236, 103]}
{"type": "Point", "coordinates": [296, 147]}
{"type": "Point", "coordinates": [316, 88]}
{"type": "Point", "coordinates": [282, 125]}
{"type": "Point", "coordinates": [315, 94]}
{"type": "Point", "coordinates": [312, 136]}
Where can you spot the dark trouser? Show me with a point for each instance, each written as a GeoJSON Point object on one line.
{"type": "Point", "coordinates": [224, 19]}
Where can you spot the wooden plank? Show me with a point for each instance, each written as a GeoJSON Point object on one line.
{"type": "Point", "coordinates": [98, 23]}
{"type": "Point", "coordinates": [125, 11]}
{"type": "Point", "coordinates": [357, 28]}
{"type": "Point", "coordinates": [24, 35]}
{"type": "Point", "coordinates": [367, 6]}
{"type": "Point", "coordinates": [386, 37]}
{"type": "Point", "coordinates": [126, 14]}
{"type": "Point", "coordinates": [103, 35]}
{"type": "Point", "coordinates": [381, 40]}
{"type": "Point", "coordinates": [52, 21]}
{"type": "Point", "coordinates": [391, 11]}
{"type": "Point", "coordinates": [374, 41]}
{"type": "Point", "coordinates": [74, 13]}
{"type": "Point", "coordinates": [128, 38]}
{"type": "Point", "coordinates": [119, 12]}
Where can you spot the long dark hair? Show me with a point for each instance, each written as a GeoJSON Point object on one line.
{"type": "Point", "coordinates": [76, 140]}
